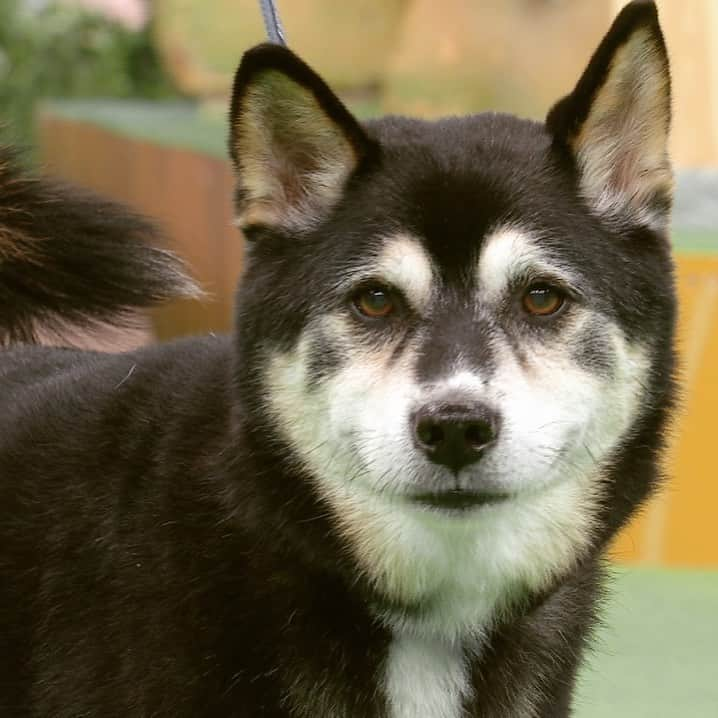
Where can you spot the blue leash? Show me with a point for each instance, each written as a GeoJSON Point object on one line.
{"type": "Point", "coordinates": [272, 23]}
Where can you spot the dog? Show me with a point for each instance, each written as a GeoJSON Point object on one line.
{"type": "Point", "coordinates": [389, 492]}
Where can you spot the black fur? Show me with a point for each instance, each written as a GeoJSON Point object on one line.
{"type": "Point", "coordinates": [161, 552]}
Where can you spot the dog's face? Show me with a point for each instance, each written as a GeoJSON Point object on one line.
{"type": "Point", "coordinates": [456, 322]}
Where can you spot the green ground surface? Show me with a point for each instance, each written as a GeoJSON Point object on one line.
{"type": "Point", "coordinates": [657, 655]}
{"type": "Point", "coordinates": [696, 242]}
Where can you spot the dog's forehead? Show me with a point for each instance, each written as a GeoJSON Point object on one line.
{"type": "Point", "coordinates": [455, 182]}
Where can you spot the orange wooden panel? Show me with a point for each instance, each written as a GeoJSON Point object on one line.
{"type": "Point", "coordinates": [678, 527]}
{"type": "Point", "coordinates": [690, 526]}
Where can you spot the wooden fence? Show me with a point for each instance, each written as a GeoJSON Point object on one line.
{"type": "Point", "coordinates": [189, 193]}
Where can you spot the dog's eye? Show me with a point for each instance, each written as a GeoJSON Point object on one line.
{"type": "Point", "coordinates": [542, 300]}
{"type": "Point", "coordinates": [375, 302]}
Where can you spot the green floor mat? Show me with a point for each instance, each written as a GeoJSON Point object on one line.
{"type": "Point", "coordinates": [657, 656]}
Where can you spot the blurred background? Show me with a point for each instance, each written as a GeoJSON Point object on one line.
{"type": "Point", "coordinates": [129, 97]}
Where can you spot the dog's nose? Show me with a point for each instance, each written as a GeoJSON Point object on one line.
{"type": "Point", "coordinates": [455, 435]}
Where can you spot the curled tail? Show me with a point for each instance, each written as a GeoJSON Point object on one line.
{"type": "Point", "coordinates": [71, 261]}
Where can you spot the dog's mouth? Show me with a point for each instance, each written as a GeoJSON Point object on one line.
{"type": "Point", "coordinates": [458, 500]}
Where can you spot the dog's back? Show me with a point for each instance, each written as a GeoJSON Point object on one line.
{"type": "Point", "coordinates": [107, 496]}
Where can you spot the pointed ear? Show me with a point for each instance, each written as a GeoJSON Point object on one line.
{"type": "Point", "coordinates": [616, 121]}
{"type": "Point", "coordinates": [293, 143]}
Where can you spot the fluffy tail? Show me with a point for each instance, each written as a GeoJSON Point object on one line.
{"type": "Point", "coordinates": [72, 262]}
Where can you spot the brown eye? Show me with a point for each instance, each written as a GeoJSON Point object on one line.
{"type": "Point", "coordinates": [542, 300]}
{"type": "Point", "coordinates": [375, 302]}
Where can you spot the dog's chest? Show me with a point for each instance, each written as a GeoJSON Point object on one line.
{"type": "Point", "coordinates": [425, 677]}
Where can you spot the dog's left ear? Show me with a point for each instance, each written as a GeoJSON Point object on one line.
{"type": "Point", "coordinates": [293, 143]}
{"type": "Point", "coordinates": [616, 121]}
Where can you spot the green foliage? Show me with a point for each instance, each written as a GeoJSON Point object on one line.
{"type": "Point", "coordinates": [66, 51]}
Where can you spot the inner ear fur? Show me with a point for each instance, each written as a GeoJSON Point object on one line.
{"type": "Point", "coordinates": [293, 143]}
{"type": "Point", "coordinates": [616, 122]}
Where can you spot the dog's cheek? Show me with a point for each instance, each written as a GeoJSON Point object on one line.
{"type": "Point", "coordinates": [343, 402]}
{"type": "Point", "coordinates": [564, 414]}
{"type": "Point", "coordinates": [544, 406]}
{"type": "Point", "coordinates": [300, 399]}
{"type": "Point", "coordinates": [602, 392]}
{"type": "Point", "coordinates": [372, 397]}
{"type": "Point", "coordinates": [292, 397]}
{"type": "Point", "coordinates": [620, 398]}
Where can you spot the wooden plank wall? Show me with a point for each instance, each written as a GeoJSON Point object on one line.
{"type": "Point", "coordinates": [188, 193]}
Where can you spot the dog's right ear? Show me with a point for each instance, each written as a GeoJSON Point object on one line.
{"type": "Point", "coordinates": [293, 143]}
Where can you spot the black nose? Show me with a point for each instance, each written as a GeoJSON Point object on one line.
{"type": "Point", "coordinates": [455, 435]}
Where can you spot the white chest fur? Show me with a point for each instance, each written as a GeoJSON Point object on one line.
{"type": "Point", "coordinates": [426, 678]}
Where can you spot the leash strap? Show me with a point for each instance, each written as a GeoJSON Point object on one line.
{"type": "Point", "coordinates": [272, 23]}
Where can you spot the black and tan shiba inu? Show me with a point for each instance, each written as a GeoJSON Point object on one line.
{"type": "Point", "coordinates": [389, 491]}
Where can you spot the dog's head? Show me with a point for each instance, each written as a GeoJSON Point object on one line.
{"type": "Point", "coordinates": [458, 326]}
